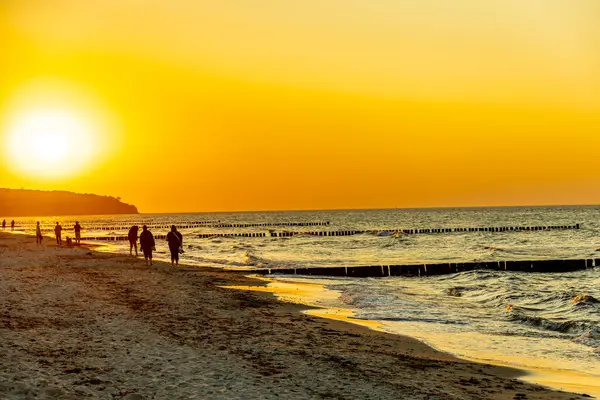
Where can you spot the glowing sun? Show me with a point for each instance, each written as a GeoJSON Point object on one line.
{"type": "Point", "coordinates": [50, 143]}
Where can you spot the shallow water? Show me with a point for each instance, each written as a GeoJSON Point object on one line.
{"type": "Point", "coordinates": [518, 318]}
{"type": "Point", "coordinates": [525, 320]}
{"type": "Point", "coordinates": [304, 250]}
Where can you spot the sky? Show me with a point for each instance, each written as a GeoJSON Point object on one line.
{"type": "Point", "coordinates": [193, 105]}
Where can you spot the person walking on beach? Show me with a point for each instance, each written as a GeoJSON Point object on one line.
{"type": "Point", "coordinates": [133, 236]}
{"type": "Point", "coordinates": [77, 229]}
{"type": "Point", "coordinates": [3, 224]}
{"type": "Point", "coordinates": [58, 233]}
{"type": "Point", "coordinates": [175, 240]}
{"type": "Point", "coordinates": [147, 244]}
{"type": "Point", "coordinates": [12, 225]}
{"type": "Point", "coordinates": [38, 234]}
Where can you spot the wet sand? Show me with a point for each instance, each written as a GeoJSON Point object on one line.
{"type": "Point", "coordinates": [536, 371]}
{"type": "Point", "coordinates": [75, 323]}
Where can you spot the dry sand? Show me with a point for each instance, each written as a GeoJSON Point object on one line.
{"type": "Point", "coordinates": [76, 324]}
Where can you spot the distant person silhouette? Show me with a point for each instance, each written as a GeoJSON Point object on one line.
{"type": "Point", "coordinates": [77, 229]}
{"type": "Point", "coordinates": [12, 225]}
{"type": "Point", "coordinates": [38, 234]}
{"type": "Point", "coordinates": [175, 240]}
{"type": "Point", "coordinates": [3, 224]}
{"type": "Point", "coordinates": [133, 237]}
{"type": "Point", "coordinates": [147, 244]}
{"type": "Point", "coordinates": [58, 233]}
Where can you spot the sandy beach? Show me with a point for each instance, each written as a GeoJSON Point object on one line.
{"type": "Point", "coordinates": [76, 323]}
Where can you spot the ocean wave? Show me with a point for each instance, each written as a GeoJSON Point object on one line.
{"type": "Point", "coordinates": [584, 299]}
{"type": "Point", "coordinates": [590, 338]}
{"type": "Point", "coordinates": [420, 319]}
{"type": "Point", "coordinates": [348, 298]}
{"type": "Point", "coordinates": [455, 291]}
{"type": "Point", "coordinates": [559, 302]}
{"type": "Point", "coordinates": [199, 260]}
{"type": "Point", "coordinates": [572, 327]}
{"type": "Point", "coordinates": [469, 276]}
{"type": "Point", "coordinates": [251, 259]}
{"type": "Point", "coordinates": [242, 246]}
{"type": "Point", "coordinates": [520, 251]}
{"type": "Point", "coordinates": [393, 243]}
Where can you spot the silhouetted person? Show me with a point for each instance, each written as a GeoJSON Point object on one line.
{"type": "Point", "coordinates": [38, 234]}
{"type": "Point", "coordinates": [133, 236]}
{"type": "Point", "coordinates": [77, 229]}
{"type": "Point", "coordinates": [175, 240]}
{"type": "Point", "coordinates": [147, 244]}
{"type": "Point", "coordinates": [58, 233]}
{"type": "Point", "coordinates": [12, 225]}
{"type": "Point", "coordinates": [3, 224]}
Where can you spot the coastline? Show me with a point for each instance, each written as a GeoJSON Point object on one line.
{"type": "Point", "coordinates": [80, 323]}
{"type": "Point", "coordinates": [323, 298]}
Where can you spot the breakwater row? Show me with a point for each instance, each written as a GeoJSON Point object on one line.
{"type": "Point", "coordinates": [258, 225]}
{"type": "Point", "coordinates": [112, 228]}
{"type": "Point", "coordinates": [186, 225]}
{"type": "Point", "coordinates": [380, 232]}
{"type": "Point", "coordinates": [118, 238]}
{"type": "Point", "coordinates": [150, 226]}
{"type": "Point", "coordinates": [202, 236]}
{"type": "Point", "coordinates": [388, 232]}
{"type": "Point", "coordinates": [380, 271]}
{"type": "Point", "coordinates": [118, 227]}
{"type": "Point", "coordinates": [212, 224]}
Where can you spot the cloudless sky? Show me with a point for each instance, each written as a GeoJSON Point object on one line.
{"type": "Point", "coordinates": [305, 104]}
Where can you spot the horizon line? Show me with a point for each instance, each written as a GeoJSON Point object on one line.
{"type": "Point", "coordinates": [376, 208]}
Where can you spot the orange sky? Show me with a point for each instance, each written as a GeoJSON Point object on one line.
{"type": "Point", "coordinates": [305, 104]}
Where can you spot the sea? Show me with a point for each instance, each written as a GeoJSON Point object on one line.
{"type": "Point", "coordinates": [526, 320]}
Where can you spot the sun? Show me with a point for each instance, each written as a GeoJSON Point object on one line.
{"type": "Point", "coordinates": [50, 143]}
{"type": "Point", "coordinates": [54, 130]}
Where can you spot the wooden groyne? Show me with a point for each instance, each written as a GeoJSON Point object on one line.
{"type": "Point", "coordinates": [150, 226]}
{"type": "Point", "coordinates": [117, 227]}
{"type": "Point", "coordinates": [380, 271]}
{"type": "Point", "coordinates": [286, 233]}
{"type": "Point", "coordinates": [202, 224]}
{"type": "Point", "coordinates": [381, 232]}
{"type": "Point", "coordinates": [211, 224]}
{"type": "Point", "coordinates": [212, 235]}
{"type": "Point", "coordinates": [390, 232]}
{"type": "Point", "coordinates": [402, 231]}
{"type": "Point", "coordinates": [272, 224]}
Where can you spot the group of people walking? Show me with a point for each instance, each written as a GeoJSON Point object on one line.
{"type": "Point", "coordinates": [148, 244]}
{"type": "Point", "coordinates": [58, 233]}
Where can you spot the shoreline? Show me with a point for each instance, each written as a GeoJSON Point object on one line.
{"type": "Point", "coordinates": [81, 323]}
{"type": "Point", "coordinates": [310, 294]}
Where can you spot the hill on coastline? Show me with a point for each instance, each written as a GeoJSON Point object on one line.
{"type": "Point", "coordinates": [26, 203]}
